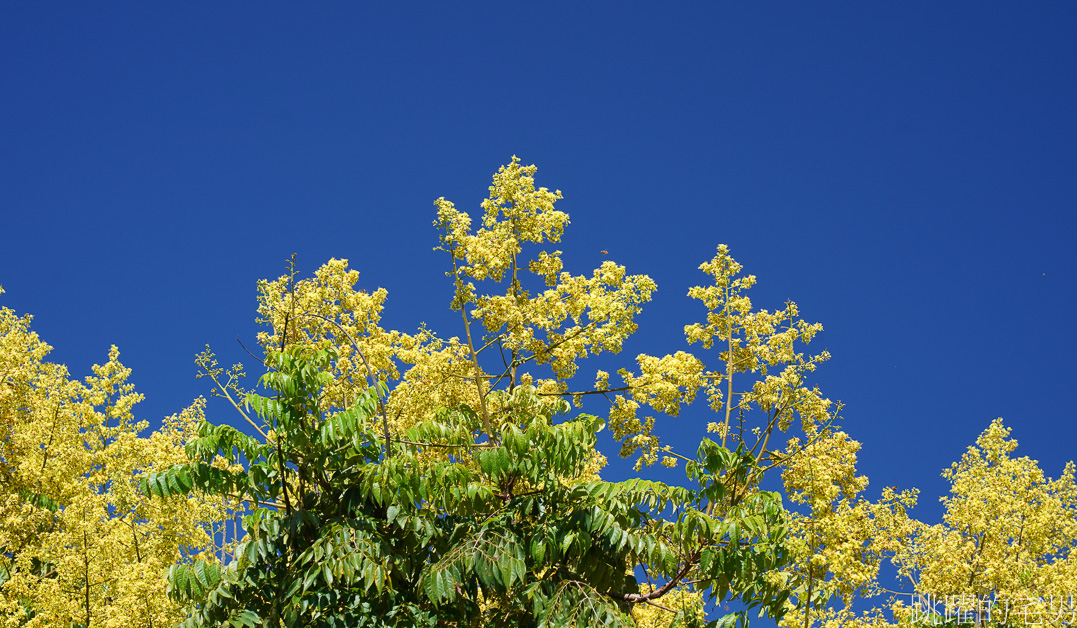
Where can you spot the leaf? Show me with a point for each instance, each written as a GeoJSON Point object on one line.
{"type": "Point", "coordinates": [247, 618]}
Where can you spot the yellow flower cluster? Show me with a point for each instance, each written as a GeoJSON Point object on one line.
{"type": "Point", "coordinates": [760, 349]}
{"type": "Point", "coordinates": [664, 384]}
{"type": "Point", "coordinates": [533, 315]}
{"type": "Point", "coordinates": [566, 318]}
{"type": "Point", "coordinates": [679, 607]}
{"type": "Point", "coordinates": [515, 212]}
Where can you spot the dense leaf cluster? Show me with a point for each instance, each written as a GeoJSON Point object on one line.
{"type": "Point", "coordinates": [444, 527]}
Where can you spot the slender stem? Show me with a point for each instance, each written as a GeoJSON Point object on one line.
{"type": "Point", "coordinates": [814, 549]}
{"type": "Point", "coordinates": [728, 370]}
{"type": "Point", "coordinates": [589, 392]}
{"type": "Point", "coordinates": [444, 445]}
{"type": "Point", "coordinates": [471, 377]}
{"type": "Point", "coordinates": [496, 339]}
{"type": "Point", "coordinates": [52, 433]}
{"type": "Point", "coordinates": [818, 434]}
{"type": "Point", "coordinates": [670, 451]}
{"type": "Point", "coordinates": [474, 357]}
{"type": "Point", "coordinates": [283, 479]}
{"type": "Point", "coordinates": [237, 406]}
{"type": "Point", "coordinates": [86, 565]}
{"type": "Point", "coordinates": [560, 342]}
{"type": "Point", "coordinates": [656, 605]}
{"type": "Point", "coordinates": [254, 501]}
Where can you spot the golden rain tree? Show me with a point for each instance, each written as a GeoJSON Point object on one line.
{"type": "Point", "coordinates": [1002, 555]}
{"type": "Point", "coordinates": [79, 544]}
{"type": "Point", "coordinates": [484, 404]}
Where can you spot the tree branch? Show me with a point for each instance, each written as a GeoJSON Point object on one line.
{"type": "Point", "coordinates": [638, 598]}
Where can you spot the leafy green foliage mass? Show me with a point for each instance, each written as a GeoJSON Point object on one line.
{"type": "Point", "coordinates": [442, 527]}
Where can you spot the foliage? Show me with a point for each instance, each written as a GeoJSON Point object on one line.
{"type": "Point", "coordinates": [468, 492]}
{"type": "Point", "coordinates": [499, 533]}
{"type": "Point", "coordinates": [79, 544]}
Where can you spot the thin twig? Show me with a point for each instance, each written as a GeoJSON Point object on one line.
{"type": "Point", "coordinates": [260, 360]}
{"type": "Point", "coordinates": [445, 445]}
{"type": "Point", "coordinates": [370, 378]}
{"type": "Point", "coordinates": [236, 406]}
{"type": "Point", "coordinates": [657, 605]}
{"type": "Point", "coordinates": [592, 392]}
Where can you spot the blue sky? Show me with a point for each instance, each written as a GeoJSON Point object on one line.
{"type": "Point", "coordinates": [905, 172]}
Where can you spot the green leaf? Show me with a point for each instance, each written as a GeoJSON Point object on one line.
{"type": "Point", "coordinates": [247, 618]}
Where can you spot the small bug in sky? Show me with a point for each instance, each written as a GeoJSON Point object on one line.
{"type": "Point", "coordinates": [604, 252]}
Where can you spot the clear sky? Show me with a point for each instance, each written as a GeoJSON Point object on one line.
{"type": "Point", "coordinates": [905, 172]}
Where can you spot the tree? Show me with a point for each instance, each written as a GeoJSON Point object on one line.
{"type": "Point", "coordinates": [1004, 550]}
{"type": "Point", "coordinates": [79, 544]}
{"type": "Point", "coordinates": [1002, 555]}
{"type": "Point", "coordinates": [460, 402]}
